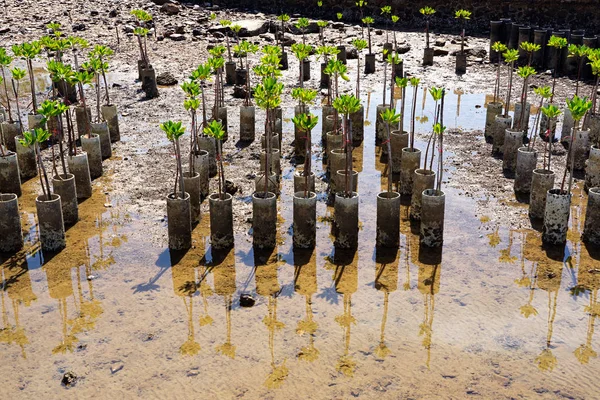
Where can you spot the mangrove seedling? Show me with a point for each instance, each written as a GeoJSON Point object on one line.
{"type": "Point", "coordinates": [395, 20]}
{"type": "Point", "coordinates": [439, 130]}
{"type": "Point", "coordinates": [201, 74]}
{"type": "Point", "coordinates": [390, 118]}
{"type": "Point", "coordinates": [500, 48]}
{"type": "Point", "coordinates": [141, 32]}
{"type": "Point", "coordinates": [174, 130]}
{"type": "Point", "coordinates": [215, 129]}
{"type": "Point", "coordinates": [243, 50]}
{"type": "Point", "coordinates": [216, 64]}
{"type": "Point", "coordinates": [414, 82]}
{"type": "Point", "coordinates": [54, 109]}
{"type": "Point", "coordinates": [17, 74]}
{"type": "Point", "coordinates": [464, 16]}
{"type": "Point", "coordinates": [436, 94]}
{"type": "Point", "coordinates": [402, 83]}
{"type": "Point", "coordinates": [579, 52]}
{"type": "Point", "coordinates": [192, 104]}
{"type": "Point", "coordinates": [28, 52]}
{"type": "Point", "coordinates": [62, 74]}
{"type": "Point", "coordinates": [530, 48]}
{"type": "Point", "coordinates": [347, 104]}
{"type": "Point", "coordinates": [393, 60]}
{"type": "Point", "coordinates": [427, 12]}
{"type": "Point", "coordinates": [33, 138]}
{"type": "Point", "coordinates": [551, 112]}
{"type": "Point", "coordinates": [305, 123]}
{"type": "Point", "coordinates": [545, 92]}
{"type": "Point", "coordinates": [322, 25]}
{"type": "Point", "coordinates": [301, 51]}
{"type": "Point", "coordinates": [510, 56]}
{"type": "Point", "coordinates": [558, 43]}
{"type": "Point", "coordinates": [302, 24]}
{"type": "Point", "coordinates": [360, 4]}
{"type": "Point", "coordinates": [225, 23]}
{"type": "Point", "coordinates": [103, 53]}
{"type": "Point", "coordinates": [594, 58]}
{"type": "Point", "coordinates": [524, 72]}
{"type": "Point", "coordinates": [386, 11]}
{"type": "Point", "coordinates": [5, 61]}
{"type": "Point", "coordinates": [82, 78]}
{"type": "Point", "coordinates": [94, 66]}
{"type": "Point", "coordinates": [368, 21]}
{"type": "Point", "coordinates": [359, 45]}
{"type": "Point", "coordinates": [578, 107]}
{"type": "Point", "coordinates": [283, 18]}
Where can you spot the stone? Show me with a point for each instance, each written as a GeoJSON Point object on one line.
{"type": "Point", "coordinates": [79, 27]}
{"type": "Point", "coordinates": [246, 300]}
{"type": "Point", "coordinates": [177, 37]}
{"type": "Point", "coordinates": [4, 29]}
{"type": "Point", "coordinates": [170, 9]}
{"type": "Point", "coordinates": [166, 79]}
{"type": "Point", "coordinates": [160, 2]}
{"type": "Point", "coordinates": [69, 379]}
{"type": "Point", "coordinates": [180, 29]}
{"type": "Point", "coordinates": [252, 27]}
{"type": "Point", "coordinates": [440, 52]}
{"type": "Point", "coordinates": [440, 42]}
{"type": "Point", "coordinates": [403, 48]}
{"type": "Point", "coordinates": [94, 13]}
{"type": "Point", "coordinates": [113, 13]}
{"type": "Point", "coordinates": [128, 28]}
{"type": "Point", "coordinates": [351, 54]}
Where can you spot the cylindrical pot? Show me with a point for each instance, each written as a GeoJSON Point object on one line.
{"type": "Point", "coordinates": [340, 181]}
{"type": "Point", "coordinates": [11, 236]}
{"type": "Point", "coordinates": [324, 82]}
{"type": "Point", "coordinates": [411, 159]}
{"type": "Point", "coordinates": [221, 221]}
{"type": "Point", "coordinates": [83, 118]}
{"type": "Point", "coordinates": [111, 116]}
{"type": "Point", "coordinates": [240, 76]}
{"type": "Point", "coordinates": [278, 112]}
{"type": "Point", "coordinates": [191, 182]}
{"type": "Point", "coordinates": [10, 132]}
{"type": "Point", "coordinates": [334, 141]}
{"type": "Point", "coordinates": [149, 82]}
{"type": "Point", "coordinates": [35, 121]}
{"type": "Point", "coordinates": [399, 141]}
{"type": "Point", "coordinates": [513, 140]}
{"type": "Point", "coordinates": [432, 218]}
{"type": "Point", "coordinates": [10, 178]}
{"type": "Point", "coordinates": [428, 56]}
{"type": "Point", "coordinates": [201, 167]}
{"type": "Point", "coordinates": [91, 145]}
{"type": "Point", "coordinates": [586, 69]}
{"type": "Point", "coordinates": [398, 70]}
{"type": "Point", "coordinates": [544, 126]}
{"type": "Point", "coordinates": [517, 119]}
{"type": "Point", "coordinates": [305, 70]}
{"type": "Point", "coordinates": [592, 171]}
{"type": "Point", "coordinates": [513, 40]}
{"type": "Point", "coordinates": [568, 123]}
{"type": "Point", "coordinates": [79, 167]}
{"type": "Point", "coordinates": [247, 123]}
{"type": "Point", "coordinates": [388, 219]}
{"type": "Point", "coordinates": [275, 144]}
{"type": "Point", "coordinates": [305, 220]}
{"type": "Point", "coordinates": [284, 61]}
{"type": "Point", "coordinates": [539, 38]}
{"type": "Point", "coordinates": [50, 223]}
{"type": "Point", "coordinates": [300, 136]}
{"type": "Point", "coordinates": [64, 186]}
{"type": "Point", "coordinates": [370, 64]}
{"type": "Point", "coordinates": [345, 220]}
{"type": "Point", "coordinates": [327, 123]}
{"type": "Point", "coordinates": [341, 56]}
{"type": "Point", "coordinates": [501, 124]}
{"type": "Point", "coordinates": [357, 124]}
{"type": "Point", "coordinates": [423, 179]}
{"type": "Point", "coordinates": [300, 181]}
{"type": "Point", "coordinates": [275, 162]}
{"type": "Point", "coordinates": [330, 124]}
{"type": "Point", "coordinates": [493, 110]}
{"type": "Point", "coordinates": [26, 159]}
{"type": "Point", "coordinates": [556, 217]}
{"type": "Point", "coordinates": [542, 181]}
{"type": "Point", "coordinates": [336, 162]}
{"type": "Point", "coordinates": [380, 132]}
{"type": "Point", "coordinates": [230, 72]}
{"type": "Point", "coordinates": [524, 36]}
{"type": "Point", "coordinates": [591, 229]}
{"type": "Point", "coordinates": [461, 64]}
{"type": "Point", "coordinates": [208, 144]}
{"type": "Point", "coordinates": [272, 183]}
{"type": "Point", "coordinates": [103, 133]}
{"type": "Point", "coordinates": [581, 149]}
{"type": "Point", "coordinates": [264, 220]}
{"type": "Point", "coordinates": [594, 126]}
{"type": "Point", "coordinates": [526, 162]}
{"type": "Point", "coordinates": [179, 222]}
{"type": "Point", "coordinates": [496, 35]}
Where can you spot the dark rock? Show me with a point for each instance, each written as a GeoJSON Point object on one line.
{"type": "Point", "coordinates": [4, 29]}
{"type": "Point", "coordinates": [128, 28]}
{"type": "Point", "coordinates": [160, 2]}
{"type": "Point", "coordinates": [180, 29]}
{"type": "Point", "coordinates": [246, 300]}
{"type": "Point", "coordinates": [266, 37]}
{"type": "Point", "coordinates": [79, 27]}
{"type": "Point", "coordinates": [94, 13]}
{"type": "Point", "coordinates": [197, 32]}
{"type": "Point", "coordinates": [403, 48]}
{"type": "Point", "coordinates": [231, 188]}
{"type": "Point", "coordinates": [166, 79]}
{"type": "Point", "coordinates": [177, 37]}
{"type": "Point", "coordinates": [113, 13]}
{"type": "Point", "coordinates": [170, 9]}
{"type": "Point", "coordinates": [440, 52]}
{"type": "Point", "coordinates": [379, 32]}
{"type": "Point", "coordinates": [440, 42]}
{"type": "Point", "coordinates": [351, 54]}
{"type": "Point", "coordinates": [69, 379]}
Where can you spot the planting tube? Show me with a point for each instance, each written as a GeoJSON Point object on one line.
{"type": "Point", "coordinates": [591, 230]}
{"type": "Point", "coordinates": [593, 124]}
{"type": "Point", "coordinates": [305, 220]}
{"type": "Point", "coordinates": [411, 159]}
{"type": "Point", "coordinates": [501, 124]}
{"type": "Point", "coordinates": [272, 184]}
{"type": "Point", "coordinates": [275, 162]}
{"type": "Point", "coordinates": [586, 69]}
{"type": "Point", "coordinates": [201, 166]}
{"type": "Point", "coordinates": [568, 124]}
{"type": "Point", "coordinates": [79, 167]}
{"type": "Point", "coordinates": [300, 181]}
{"type": "Point", "coordinates": [370, 64]}
{"type": "Point", "coordinates": [247, 123]}
{"type": "Point", "coordinates": [526, 162]}
{"type": "Point", "coordinates": [222, 116]}
{"type": "Point", "coordinates": [513, 140]}
{"type": "Point", "coordinates": [64, 186]}
{"type": "Point", "coordinates": [524, 36]}
{"type": "Point", "coordinates": [149, 82]}
{"type": "Point", "coordinates": [357, 124]}
{"type": "Point", "coordinates": [240, 76]}
{"type": "Point", "coordinates": [513, 40]}
{"type": "Point", "coordinates": [275, 144]}
{"type": "Point", "coordinates": [517, 119]}
{"type": "Point", "coordinates": [496, 35]}
{"type": "Point", "coordinates": [340, 181]}
{"type": "Point", "coordinates": [192, 187]}
{"type": "Point", "coordinates": [399, 141]}
{"type": "Point", "coordinates": [35, 121]}
{"type": "Point", "coordinates": [493, 110]}
{"type": "Point", "coordinates": [103, 133]}
{"type": "Point", "coordinates": [324, 82]}
{"type": "Point", "coordinates": [306, 70]}
{"type": "Point", "coordinates": [179, 222]}
{"type": "Point", "coordinates": [422, 180]}
{"type": "Point", "coordinates": [581, 149]}
{"type": "Point", "coordinates": [11, 235]}
{"type": "Point", "coordinates": [230, 77]}
{"type": "Point", "coordinates": [26, 159]}
{"type": "Point", "coordinates": [341, 56]}
{"type": "Point", "coordinates": [556, 217]}
{"type": "Point", "coordinates": [82, 120]}
{"type": "Point", "coordinates": [432, 218]}
{"type": "Point", "coordinates": [299, 136]}
{"type": "Point", "coordinates": [284, 61]}
{"type": "Point", "coordinates": [461, 64]}
{"type": "Point", "coordinates": [50, 223]}
{"type": "Point", "coordinates": [264, 220]}
{"type": "Point", "coordinates": [221, 221]}
{"type": "Point", "coordinates": [208, 144]}
{"type": "Point", "coordinates": [111, 116]}
{"type": "Point", "coordinates": [327, 123]}
{"type": "Point", "coordinates": [428, 56]}
{"type": "Point", "coordinates": [592, 171]}
{"type": "Point", "coordinates": [93, 149]}
{"type": "Point", "coordinates": [388, 219]}
{"type": "Point", "coordinates": [538, 58]}
{"type": "Point", "coordinates": [380, 130]}
{"type": "Point", "coordinates": [541, 182]}
{"type": "Point", "coordinates": [10, 179]}
{"type": "Point", "coordinates": [336, 162]}
{"type": "Point", "coordinates": [346, 221]}
{"type": "Point", "coordinates": [398, 70]}
{"type": "Point", "coordinates": [10, 132]}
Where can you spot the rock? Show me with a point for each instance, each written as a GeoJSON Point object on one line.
{"type": "Point", "coordinates": [246, 300]}
{"type": "Point", "coordinates": [403, 48]}
{"type": "Point", "coordinates": [440, 42]}
{"type": "Point", "coordinates": [166, 79]}
{"type": "Point", "coordinates": [4, 29]}
{"type": "Point", "coordinates": [231, 188]}
{"type": "Point", "coordinates": [440, 52]}
{"type": "Point", "coordinates": [113, 13]}
{"type": "Point", "coordinates": [128, 28]}
{"type": "Point", "coordinates": [94, 13]}
{"type": "Point", "coordinates": [69, 379]}
{"type": "Point", "coordinates": [379, 32]}
{"type": "Point", "coordinates": [478, 52]}
{"type": "Point", "coordinates": [351, 54]}
{"type": "Point", "coordinates": [252, 27]}
{"type": "Point", "coordinates": [79, 27]}
{"type": "Point", "coordinates": [266, 37]}
{"type": "Point", "coordinates": [197, 32]}
{"type": "Point", "coordinates": [170, 9]}
{"type": "Point", "coordinates": [177, 37]}
{"type": "Point", "coordinates": [160, 2]}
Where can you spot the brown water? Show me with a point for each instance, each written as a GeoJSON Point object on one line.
{"type": "Point", "coordinates": [491, 314]}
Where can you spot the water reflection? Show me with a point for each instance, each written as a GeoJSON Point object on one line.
{"type": "Point", "coordinates": [223, 271]}
{"type": "Point", "coordinates": [183, 273]}
{"type": "Point", "coordinates": [386, 280]}
{"type": "Point", "coordinates": [305, 284]}
{"type": "Point", "coordinates": [430, 270]}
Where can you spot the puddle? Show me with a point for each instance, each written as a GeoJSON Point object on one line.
{"type": "Point", "coordinates": [126, 314]}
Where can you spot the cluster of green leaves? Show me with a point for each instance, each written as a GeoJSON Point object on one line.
{"type": "Point", "coordinates": [337, 67]}
{"type": "Point", "coordinates": [359, 44]}
{"type": "Point", "coordinates": [551, 111]}
{"type": "Point", "coordinates": [427, 11]}
{"type": "Point", "coordinates": [390, 117]}
{"type": "Point", "coordinates": [499, 47]}
{"type": "Point", "coordinates": [578, 106]}
{"type": "Point", "coordinates": [302, 24]}
{"type": "Point", "coordinates": [51, 108]}
{"type": "Point", "coordinates": [346, 104]}
{"type": "Point", "coordinates": [301, 50]}
{"type": "Point", "coordinates": [305, 122]}
{"type": "Point", "coordinates": [27, 50]}
{"type": "Point", "coordinates": [436, 93]}
{"type": "Point", "coordinates": [244, 48]}
{"type": "Point", "coordinates": [557, 42]}
{"type": "Point", "coordinates": [326, 51]}
{"type": "Point", "coordinates": [173, 130]}
{"type": "Point", "coordinates": [401, 82]}
{"type": "Point", "coordinates": [529, 47]}
{"type": "Point", "coordinates": [368, 20]}
{"type": "Point", "coordinates": [510, 55]}
{"type": "Point", "coordinates": [215, 129]}
{"type": "Point", "coordinates": [267, 94]}
{"type": "Point", "coordinates": [543, 91]}
{"type": "Point", "coordinates": [525, 71]}
{"type": "Point", "coordinates": [462, 14]}
{"type": "Point", "coordinates": [31, 137]}
{"type": "Point", "coordinates": [304, 95]}
{"type": "Point", "coordinates": [141, 15]}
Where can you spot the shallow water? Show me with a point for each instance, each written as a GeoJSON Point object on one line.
{"type": "Point", "coordinates": [490, 314]}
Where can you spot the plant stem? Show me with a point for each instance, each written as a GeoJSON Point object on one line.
{"type": "Point", "coordinates": [390, 158]}
{"type": "Point", "coordinates": [179, 168]}
{"type": "Point", "coordinates": [412, 122]}
{"type": "Point", "coordinates": [10, 118]}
